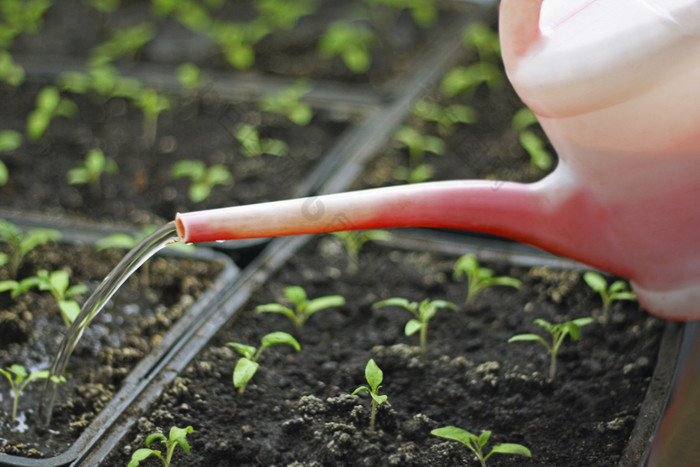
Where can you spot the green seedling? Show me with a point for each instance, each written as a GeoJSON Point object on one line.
{"type": "Point", "coordinates": [58, 283]}
{"type": "Point", "coordinates": [253, 145]}
{"type": "Point", "coordinates": [203, 178]}
{"type": "Point", "coordinates": [617, 291]}
{"type": "Point", "coordinates": [10, 72]}
{"type": "Point", "coordinates": [248, 365]}
{"type": "Point", "coordinates": [177, 437]}
{"type": "Point", "coordinates": [354, 240]}
{"type": "Point", "coordinates": [49, 104]}
{"type": "Point", "coordinates": [478, 277]}
{"type": "Point", "coordinates": [19, 378]}
{"type": "Point", "coordinates": [287, 101]}
{"type": "Point", "coordinates": [102, 79]}
{"type": "Point", "coordinates": [418, 144]}
{"type": "Point", "coordinates": [466, 79]}
{"type": "Point", "coordinates": [303, 308]}
{"type": "Point", "coordinates": [237, 40]}
{"type": "Point", "coordinates": [151, 104]}
{"type": "Point", "coordinates": [480, 37]}
{"type": "Point", "coordinates": [351, 41]}
{"type": "Point", "coordinates": [20, 16]}
{"type": "Point", "coordinates": [374, 377]}
{"type": "Point", "coordinates": [90, 172]}
{"type": "Point", "coordinates": [558, 333]}
{"type": "Point", "coordinates": [190, 76]}
{"type": "Point", "coordinates": [21, 243]}
{"type": "Point", "coordinates": [422, 313]}
{"type": "Point", "coordinates": [123, 43]}
{"type": "Point", "coordinates": [9, 141]}
{"type": "Point", "coordinates": [444, 116]}
{"type": "Point", "coordinates": [533, 144]}
{"type": "Point", "coordinates": [283, 14]}
{"type": "Point", "coordinates": [476, 443]}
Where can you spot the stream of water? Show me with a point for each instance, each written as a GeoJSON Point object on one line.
{"type": "Point", "coordinates": [94, 304]}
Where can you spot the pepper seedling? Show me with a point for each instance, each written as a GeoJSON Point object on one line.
{"type": "Point", "coordinates": [253, 145]}
{"type": "Point", "coordinates": [151, 104]}
{"type": "Point", "coordinates": [203, 178]}
{"type": "Point", "coordinates": [10, 72]}
{"type": "Point", "coordinates": [422, 311]}
{"type": "Point", "coordinates": [95, 164]}
{"type": "Point", "coordinates": [248, 365]}
{"type": "Point", "coordinates": [49, 104]}
{"type": "Point", "coordinates": [558, 332]}
{"type": "Point", "coordinates": [303, 307]}
{"type": "Point", "coordinates": [617, 291]}
{"type": "Point", "coordinates": [374, 377]}
{"type": "Point", "coordinates": [476, 443]}
{"type": "Point", "coordinates": [177, 437]}
{"type": "Point", "coordinates": [533, 144]}
{"type": "Point", "coordinates": [287, 101]}
{"type": "Point", "coordinates": [19, 378]}
{"type": "Point", "coordinates": [22, 243]}
{"type": "Point", "coordinates": [418, 144]}
{"type": "Point", "coordinates": [351, 41]}
{"type": "Point", "coordinates": [478, 277]}
{"type": "Point", "coordinates": [58, 283]}
{"type": "Point", "coordinates": [354, 240]}
{"type": "Point", "coordinates": [444, 115]}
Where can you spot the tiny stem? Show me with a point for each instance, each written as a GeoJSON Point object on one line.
{"type": "Point", "coordinates": [14, 405]}
{"type": "Point", "coordinates": [552, 366]}
{"type": "Point", "coordinates": [423, 338]}
{"type": "Point", "coordinates": [169, 455]}
{"type": "Point", "coordinates": [373, 416]}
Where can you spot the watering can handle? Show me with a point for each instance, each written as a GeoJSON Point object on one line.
{"type": "Point", "coordinates": [519, 26]}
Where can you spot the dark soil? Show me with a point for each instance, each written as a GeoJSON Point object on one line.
{"type": "Point", "coordinates": [31, 330]}
{"type": "Point", "coordinates": [297, 410]}
{"type": "Point", "coordinates": [144, 190]}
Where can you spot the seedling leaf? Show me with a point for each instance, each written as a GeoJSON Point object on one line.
{"type": "Point", "coordinates": [244, 371]}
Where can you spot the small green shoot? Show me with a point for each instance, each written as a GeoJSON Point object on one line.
{"type": "Point", "coordinates": [422, 313]}
{"type": "Point", "coordinates": [351, 41]}
{"type": "Point", "coordinates": [617, 291]}
{"type": "Point", "coordinates": [237, 41]}
{"type": "Point", "coordinates": [354, 240]}
{"type": "Point", "coordinates": [477, 443]}
{"type": "Point", "coordinates": [10, 72]}
{"type": "Point", "coordinates": [533, 144]}
{"type": "Point", "coordinates": [190, 76]}
{"type": "Point", "coordinates": [58, 283]}
{"type": "Point", "coordinates": [558, 332]}
{"type": "Point", "coordinates": [466, 79]}
{"type": "Point", "coordinates": [49, 104]}
{"type": "Point", "coordinates": [21, 243]}
{"type": "Point", "coordinates": [19, 378]}
{"type": "Point", "coordinates": [478, 277]}
{"type": "Point", "coordinates": [203, 178]}
{"type": "Point", "coordinates": [374, 377]}
{"type": "Point", "coordinates": [90, 172]}
{"type": "Point", "coordinates": [418, 144]}
{"type": "Point", "coordinates": [123, 43]}
{"type": "Point", "coordinates": [480, 37]}
{"type": "Point", "coordinates": [287, 101]}
{"type": "Point", "coordinates": [151, 104]}
{"type": "Point", "coordinates": [248, 365]}
{"type": "Point", "coordinates": [253, 145]}
{"type": "Point", "coordinates": [176, 438]}
{"type": "Point", "coordinates": [9, 141]}
{"type": "Point", "coordinates": [444, 116]}
{"type": "Point", "coordinates": [303, 308]}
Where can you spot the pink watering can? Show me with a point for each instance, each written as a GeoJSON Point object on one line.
{"type": "Point", "coordinates": [616, 86]}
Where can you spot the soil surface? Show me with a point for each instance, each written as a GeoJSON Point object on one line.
{"type": "Point", "coordinates": [144, 191]}
{"type": "Point", "coordinates": [298, 410]}
{"type": "Point", "coordinates": [31, 330]}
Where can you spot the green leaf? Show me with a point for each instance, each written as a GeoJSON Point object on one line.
{"type": "Point", "coordinates": [362, 389]}
{"type": "Point", "coordinates": [321, 303]}
{"type": "Point", "coordinates": [4, 174]}
{"type": "Point", "coordinates": [155, 437]}
{"type": "Point", "coordinates": [276, 308]}
{"type": "Point", "coordinates": [243, 372]}
{"type": "Point", "coordinates": [453, 433]}
{"type": "Point", "coordinates": [528, 338]}
{"type": "Point", "coordinates": [523, 118]}
{"type": "Point", "coordinates": [10, 140]}
{"type": "Point", "coordinates": [70, 309]}
{"type": "Point", "coordinates": [412, 327]}
{"type": "Point", "coordinates": [60, 280]}
{"type": "Point", "coordinates": [373, 374]}
{"type": "Point", "coordinates": [377, 398]}
{"type": "Point", "coordinates": [511, 448]}
{"type": "Point", "coordinates": [178, 436]}
{"type": "Point", "coordinates": [395, 301]}
{"type": "Point", "coordinates": [247, 351]}
{"type": "Point", "coordinates": [507, 282]}
{"type": "Point", "coordinates": [276, 338]}
{"type": "Point", "coordinates": [8, 285]}
{"type": "Point", "coordinates": [140, 455]}
{"type": "Point", "coordinates": [295, 294]}
{"type": "Point", "coordinates": [484, 438]}
{"type": "Point", "coordinates": [595, 281]}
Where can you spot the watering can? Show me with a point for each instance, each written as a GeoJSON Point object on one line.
{"type": "Point", "coordinates": [616, 87]}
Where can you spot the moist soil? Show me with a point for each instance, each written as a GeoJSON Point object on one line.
{"type": "Point", "coordinates": [31, 330]}
{"type": "Point", "coordinates": [144, 191]}
{"type": "Point", "coordinates": [298, 410]}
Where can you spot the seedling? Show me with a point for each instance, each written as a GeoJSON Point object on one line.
{"type": "Point", "coordinates": [354, 240]}
{"type": "Point", "coordinates": [253, 145]}
{"type": "Point", "coordinates": [151, 104]}
{"type": "Point", "coordinates": [20, 16]}
{"type": "Point", "coordinates": [126, 42]}
{"type": "Point", "coordinates": [9, 141]}
{"type": "Point", "coordinates": [103, 79]}
{"type": "Point", "coordinates": [176, 438]}
{"type": "Point", "coordinates": [374, 377]}
{"type": "Point", "coordinates": [237, 41]}
{"type": "Point", "coordinates": [303, 307]}
{"type": "Point", "coordinates": [351, 41]}
{"type": "Point", "coordinates": [287, 101]}
{"type": "Point", "coordinates": [480, 37]}
{"type": "Point", "coordinates": [616, 291]}
{"type": "Point", "coordinates": [91, 171]}
{"type": "Point", "coordinates": [203, 178]}
{"type": "Point", "coordinates": [476, 443]}
{"type": "Point", "coordinates": [190, 76]}
{"type": "Point", "coordinates": [418, 144]}
{"type": "Point", "coordinates": [465, 80]}
{"type": "Point", "coordinates": [422, 312]}
{"type": "Point", "coordinates": [58, 283]}
{"type": "Point", "coordinates": [19, 378]}
{"type": "Point", "coordinates": [248, 365]}
{"type": "Point", "coordinates": [533, 144]}
{"type": "Point", "coordinates": [558, 333]}
{"type": "Point", "coordinates": [444, 116]}
{"type": "Point", "coordinates": [479, 278]}
{"type": "Point", "coordinates": [22, 243]}
{"type": "Point", "coordinates": [10, 72]}
{"type": "Point", "coordinates": [49, 104]}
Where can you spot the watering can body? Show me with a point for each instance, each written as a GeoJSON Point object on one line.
{"type": "Point", "coordinates": [616, 87]}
